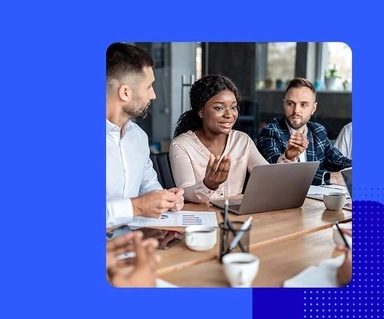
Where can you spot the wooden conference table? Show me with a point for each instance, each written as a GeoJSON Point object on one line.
{"type": "Point", "coordinates": [286, 241]}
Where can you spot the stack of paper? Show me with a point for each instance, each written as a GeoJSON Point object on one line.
{"type": "Point", "coordinates": [317, 192]}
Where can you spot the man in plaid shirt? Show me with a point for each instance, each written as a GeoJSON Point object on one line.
{"type": "Point", "coordinates": [295, 138]}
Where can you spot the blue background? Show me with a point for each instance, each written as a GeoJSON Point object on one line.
{"type": "Point", "coordinates": [53, 153]}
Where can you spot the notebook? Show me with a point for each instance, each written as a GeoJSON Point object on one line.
{"type": "Point", "coordinates": [273, 187]}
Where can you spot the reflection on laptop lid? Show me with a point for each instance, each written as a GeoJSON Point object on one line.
{"type": "Point", "coordinates": [347, 175]}
{"type": "Point", "coordinates": [274, 187]}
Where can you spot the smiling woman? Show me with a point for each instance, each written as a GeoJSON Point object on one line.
{"type": "Point", "coordinates": [210, 159]}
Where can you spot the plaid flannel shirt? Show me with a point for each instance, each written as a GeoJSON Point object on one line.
{"type": "Point", "coordinates": [273, 139]}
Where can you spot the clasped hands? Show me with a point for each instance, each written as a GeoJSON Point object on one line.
{"type": "Point", "coordinates": [297, 144]}
{"type": "Point", "coordinates": [139, 271]}
{"type": "Point", "coordinates": [153, 204]}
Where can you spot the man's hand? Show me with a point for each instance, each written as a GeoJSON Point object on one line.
{"type": "Point", "coordinates": [344, 272]}
{"type": "Point", "coordinates": [143, 273]}
{"type": "Point", "coordinates": [297, 144]}
{"type": "Point", "coordinates": [337, 178]}
{"type": "Point", "coordinates": [179, 192]}
{"type": "Point", "coordinates": [154, 203]}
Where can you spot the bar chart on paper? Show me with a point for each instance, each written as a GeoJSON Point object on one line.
{"type": "Point", "coordinates": [191, 219]}
{"type": "Point", "coordinates": [182, 218]}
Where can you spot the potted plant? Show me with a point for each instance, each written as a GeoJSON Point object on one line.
{"type": "Point", "coordinates": [347, 85]}
{"type": "Point", "coordinates": [331, 78]}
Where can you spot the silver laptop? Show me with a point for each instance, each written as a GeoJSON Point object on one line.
{"type": "Point", "coordinates": [347, 176]}
{"type": "Point", "coordinates": [274, 187]}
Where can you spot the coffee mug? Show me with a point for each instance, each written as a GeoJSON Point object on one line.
{"type": "Point", "coordinates": [334, 201]}
{"type": "Point", "coordinates": [200, 238]}
{"type": "Point", "coordinates": [240, 268]}
{"type": "Point", "coordinates": [337, 237]}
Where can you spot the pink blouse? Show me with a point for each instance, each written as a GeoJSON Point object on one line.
{"type": "Point", "coordinates": [189, 159]}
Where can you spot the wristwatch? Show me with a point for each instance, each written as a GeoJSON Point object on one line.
{"type": "Point", "coordinates": [327, 178]}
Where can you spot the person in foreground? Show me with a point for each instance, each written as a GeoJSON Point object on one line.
{"type": "Point", "coordinates": [209, 159]}
{"type": "Point", "coordinates": [295, 137]}
{"type": "Point", "coordinates": [143, 271]}
{"type": "Point", "coordinates": [344, 140]}
{"type": "Point", "coordinates": [132, 185]}
{"type": "Point", "coordinates": [344, 272]}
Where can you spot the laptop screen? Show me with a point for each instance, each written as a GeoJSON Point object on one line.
{"type": "Point", "coordinates": [347, 175]}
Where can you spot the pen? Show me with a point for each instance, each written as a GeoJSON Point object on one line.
{"type": "Point", "coordinates": [226, 213]}
{"type": "Point", "coordinates": [341, 234]}
{"type": "Point", "coordinates": [224, 234]}
{"type": "Point", "coordinates": [230, 227]}
{"type": "Point", "coordinates": [240, 233]}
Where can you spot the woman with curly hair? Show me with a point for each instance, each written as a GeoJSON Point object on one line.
{"type": "Point", "coordinates": [210, 159]}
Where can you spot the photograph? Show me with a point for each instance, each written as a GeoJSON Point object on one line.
{"type": "Point", "coordinates": [229, 164]}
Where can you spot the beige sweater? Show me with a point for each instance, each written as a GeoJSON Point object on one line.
{"type": "Point", "coordinates": [189, 159]}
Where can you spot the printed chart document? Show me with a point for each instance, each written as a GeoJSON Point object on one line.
{"type": "Point", "coordinates": [178, 219]}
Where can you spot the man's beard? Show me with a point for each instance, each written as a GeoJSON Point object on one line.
{"type": "Point", "coordinates": [144, 113]}
{"type": "Point", "coordinates": [295, 125]}
{"type": "Point", "coordinates": [135, 113]}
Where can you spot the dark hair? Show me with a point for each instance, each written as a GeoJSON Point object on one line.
{"type": "Point", "coordinates": [299, 83]}
{"type": "Point", "coordinates": [201, 91]}
{"type": "Point", "coordinates": [124, 59]}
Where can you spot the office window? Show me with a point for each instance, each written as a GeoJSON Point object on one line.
{"type": "Point", "coordinates": [274, 61]}
{"type": "Point", "coordinates": [199, 59]}
{"type": "Point", "coordinates": [340, 55]}
{"type": "Point", "coordinates": [281, 60]}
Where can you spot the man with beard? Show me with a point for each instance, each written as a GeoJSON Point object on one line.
{"type": "Point", "coordinates": [132, 185]}
{"type": "Point", "coordinates": [295, 138]}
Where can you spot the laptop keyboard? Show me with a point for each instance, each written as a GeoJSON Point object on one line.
{"type": "Point", "coordinates": [234, 207]}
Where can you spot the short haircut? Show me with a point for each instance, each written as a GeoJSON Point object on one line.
{"type": "Point", "coordinates": [125, 59]}
{"type": "Point", "coordinates": [299, 83]}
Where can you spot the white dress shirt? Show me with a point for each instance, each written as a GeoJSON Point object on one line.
{"type": "Point", "coordinates": [344, 141]}
{"type": "Point", "coordinates": [129, 171]}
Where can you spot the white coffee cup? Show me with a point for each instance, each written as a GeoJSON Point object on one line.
{"type": "Point", "coordinates": [337, 237]}
{"type": "Point", "coordinates": [240, 268]}
{"type": "Point", "coordinates": [200, 238]}
{"type": "Point", "coordinates": [334, 201]}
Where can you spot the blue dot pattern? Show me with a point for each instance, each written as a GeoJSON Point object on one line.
{"type": "Point", "coordinates": [363, 297]}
